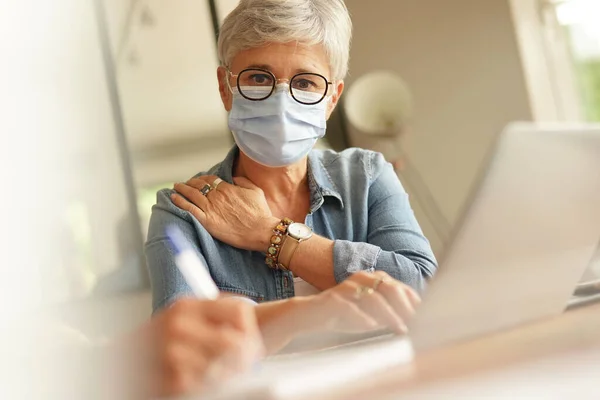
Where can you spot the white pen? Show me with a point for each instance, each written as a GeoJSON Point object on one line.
{"type": "Point", "coordinates": [194, 270]}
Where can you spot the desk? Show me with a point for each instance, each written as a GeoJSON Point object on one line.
{"type": "Point", "coordinates": [561, 350]}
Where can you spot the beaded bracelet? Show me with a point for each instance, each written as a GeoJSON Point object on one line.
{"type": "Point", "coordinates": [272, 259]}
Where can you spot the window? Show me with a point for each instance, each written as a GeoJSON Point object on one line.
{"type": "Point", "coordinates": [559, 42]}
{"type": "Point", "coordinates": [578, 22]}
{"type": "Point", "coordinates": [581, 23]}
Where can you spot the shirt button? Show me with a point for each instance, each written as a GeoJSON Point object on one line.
{"type": "Point", "coordinates": [286, 282]}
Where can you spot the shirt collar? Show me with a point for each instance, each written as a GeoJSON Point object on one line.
{"type": "Point", "coordinates": [320, 183]}
{"type": "Point", "coordinates": [225, 169]}
{"type": "Point", "coordinates": [321, 180]}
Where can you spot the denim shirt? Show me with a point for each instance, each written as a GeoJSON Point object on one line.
{"type": "Point", "coordinates": [356, 200]}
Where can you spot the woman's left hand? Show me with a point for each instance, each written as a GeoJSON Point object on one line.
{"type": "Point", "coordinates": [237, 215]}
{"type": "Point", "coordinates": [363, 302]}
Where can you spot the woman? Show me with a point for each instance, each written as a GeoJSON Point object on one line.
{"type": "Point", "coordinates": [281, 76]}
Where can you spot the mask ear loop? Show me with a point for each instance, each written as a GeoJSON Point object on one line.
{"type": "Point", "coordinates": [227, 79]}
{"type": "Point", "coordinates": [329, 97]}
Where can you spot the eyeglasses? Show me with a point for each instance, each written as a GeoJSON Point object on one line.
{"type": "Point", "coordinates": [258, 84]}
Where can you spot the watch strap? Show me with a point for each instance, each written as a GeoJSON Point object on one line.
{"type": "Point", "coordinates": [286, 252]}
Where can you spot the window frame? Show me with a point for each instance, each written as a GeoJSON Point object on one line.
{"type": "Point", "coordinates": [545, 54]}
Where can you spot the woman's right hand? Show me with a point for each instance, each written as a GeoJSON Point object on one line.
{"type": "Point", "coordinates": [193, 344]}
{"type": "Point", "coordinates": [364, 302]}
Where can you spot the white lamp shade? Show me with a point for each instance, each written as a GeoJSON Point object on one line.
{"type": "Point", "coordinates": [378, 103]}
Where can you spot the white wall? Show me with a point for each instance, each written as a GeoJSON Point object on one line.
{"type": "Point", "coordinates": [461, 60]}
{"type": "Point", "coordinates": [170, 91]}
{"type": "Point", "coordinates": [224, 7]}
{"type": "Point", "coordinates": [118, 13]}
{"type": "Point", "coordinates": [167, 81]}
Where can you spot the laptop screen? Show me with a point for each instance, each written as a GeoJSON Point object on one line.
{"type": "Point", "coordinates": [593, 271]}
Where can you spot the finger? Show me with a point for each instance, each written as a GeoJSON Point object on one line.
{"type": "Point", "coordinates": [189, 365]}
{"type": "Point", "coordinates": [183, 368]}
{"type": "Point", "coordinates": [186, 323]}
{"type": "Point", "coordinates": [349, 317]}
{"type": "Point", "coordinates": [233, 351]}
{"type": "Point", "coordinates": [413, 296]}
{"type": "Point", "coordinates": [379, 309]}
{"type": "Point", "coordinates": [240, 318]}
{"type": "Point", "coordinates": [217, 341]}
{"type": "Point", "coordinates": [412, 293]}
{"type": "Point", "coordinates": [195, 315]}
{"type": "Point", "coordinates": [398, 299]}
{"type": "Point", "coordinates": [226, 350]}
{"type": "Point", "coordinates": [392, 291]}
{"type": "Point", "coordinates": [185, 205]}
{"type": "Point", "coordinates": [244, 183]}
{"type": "Point", "coordinates": [201, 182]}
{"type": "Point", "coordinates": [376, 306]}
{"type": "Point", "coordinates": [192, 194]}
{"type": "Point", "coordinates": [234, 313]}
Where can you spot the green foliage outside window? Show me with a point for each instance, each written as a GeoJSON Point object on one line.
{"type": "Point", "coordinates": [588, 74]}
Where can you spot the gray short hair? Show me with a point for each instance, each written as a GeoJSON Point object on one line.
{"type": "Point", "coordinates": [254, 23]}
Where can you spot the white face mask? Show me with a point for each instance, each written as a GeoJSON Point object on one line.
{"type": "Point", "coordinates": [277, 131]}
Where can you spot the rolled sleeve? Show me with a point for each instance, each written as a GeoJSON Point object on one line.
{"type": "Point", "coordinates": [406, 253]}
{"type": "Point", "coordinates": [349, 257]}
{"type": "Point", "coordinates": [395, 242]}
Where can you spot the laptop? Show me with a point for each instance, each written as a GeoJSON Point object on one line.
{"type": "Point", "coordinates": [530, 232]}
{"type": "Point", "coordinates": [527, 246]}
{"type": "Point", "coordinates": [528, 235]}
{"type": "Point", "coordinates": [588, 289]}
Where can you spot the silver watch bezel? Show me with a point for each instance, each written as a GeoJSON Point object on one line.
{"type": "Point", "coordinates": [306, 227]}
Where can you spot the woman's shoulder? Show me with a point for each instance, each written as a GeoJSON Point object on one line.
{"type": "Point", "coordinates": [163, 196]}
{"type": "Point", "coordinates": [164, 209]}
{"type": "Point", "coordinates": [350, 161]}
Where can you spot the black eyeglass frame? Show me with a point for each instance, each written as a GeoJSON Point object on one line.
{"type": "Point", "coordinates": [275, 80]}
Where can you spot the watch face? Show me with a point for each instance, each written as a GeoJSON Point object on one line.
{"type": "Point", "coordinates": [299, 231]}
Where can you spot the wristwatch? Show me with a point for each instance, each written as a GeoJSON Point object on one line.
{"type": "Point", "coordinates": [296, 233]}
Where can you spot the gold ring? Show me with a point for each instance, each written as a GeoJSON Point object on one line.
{"type": "Point", "coordinates": [216, 183]}
{"type": "Point", "coordinates": [361, 291]}
{"type": "Point", "coordinates": [379, 281]}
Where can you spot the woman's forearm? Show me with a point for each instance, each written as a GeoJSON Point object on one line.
{"type": "Point", "coordinates": [283, 320]}
{"type": "Point", "coordinates": [313, 262]}
{"type": "Point", "coordinates": [324, 263]}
